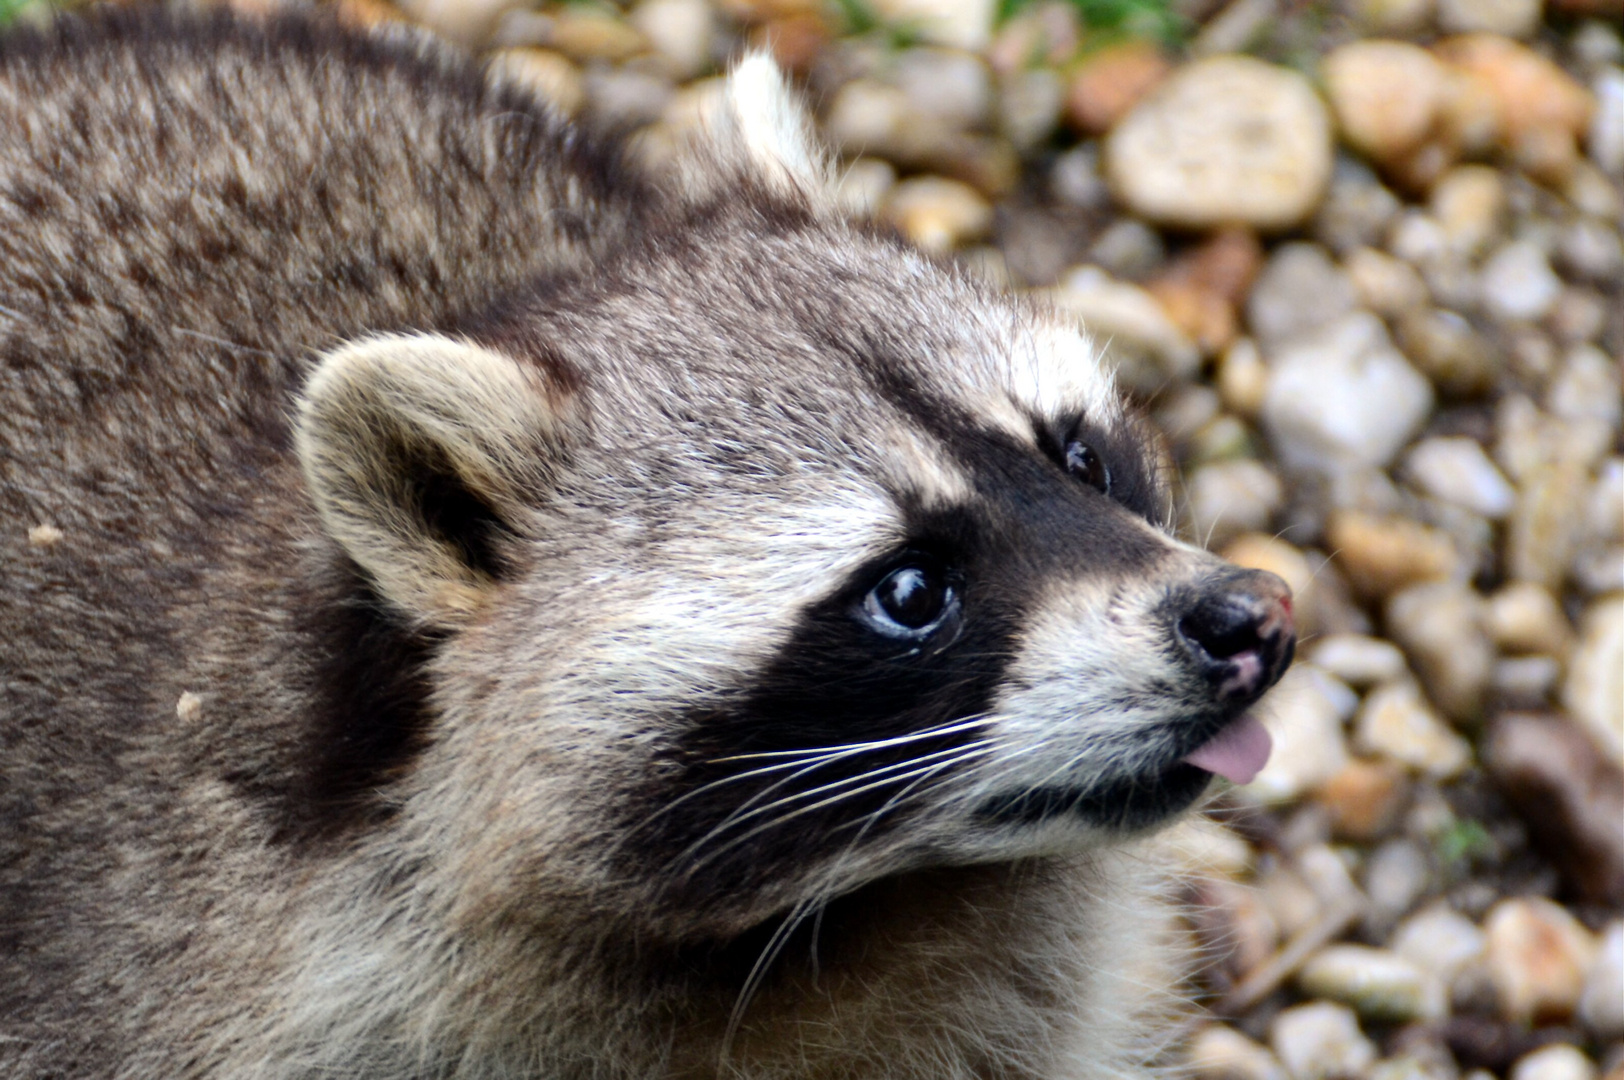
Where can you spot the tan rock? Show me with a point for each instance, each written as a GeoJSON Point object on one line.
{"type": "Point", "coordinates": [938, 214]}
{"type": "Point", "coordinates": [1545, 528]}
{"type": "Point", "coordinates": [1387, 96]}
{"type": "Point", "coordinates": [1594, 690]}
{"type": "Point", "coordinates": [1243, 378]}
{"type": "Point", "coordinates": [584, 33]}
{"type": "Point", "coordinates": [1540, 111]}
{"type": "Point", "coordinates": [1524, 617]}
{"type": "Point", "coordinates": [1381, 555]}
{"type": "Point", "coordinates": [1107, 83]}
{"type": "Point", "coordinates": [1222, 1053]}
{"type": "Point", "coordinates": [1225, 140]}
{"type": "Point", "coordinates": [1396, 723]}
{"type": "Point", "coordinates": [1537, 956]}
{"type": "Point", "coordinates": [1365, 799]}
{"type": "Point", "coordinates": [959, 24]}
{"type": "Point", "coordinates": [1512, 18]}
{"type": "Point", "coordinates": [1305, 716]}
{"type": "Point", "coordinates": [1385, 285]}
{"type": "Point", "coordinates": [469, 22]}
{"type": "Point", "coordinates": [1358, 659]}
{"type": "Point", "coordinates": [1440, 625]}
{"type": "Point", "coordinates": [1469, 202]}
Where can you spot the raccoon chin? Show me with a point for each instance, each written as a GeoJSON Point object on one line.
{"type": "Point", "coordinates": [1125, 803]}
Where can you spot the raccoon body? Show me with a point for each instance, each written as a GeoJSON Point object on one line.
{"type": "Point", "coordinates": [472, 610]}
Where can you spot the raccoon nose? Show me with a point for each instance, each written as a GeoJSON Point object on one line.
{"type": "Point", "coordinates": [1240, 634]}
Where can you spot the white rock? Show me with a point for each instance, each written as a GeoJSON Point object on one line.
{"type": "Point", "coordinates": [1357, 659]}
{"type": "Point", "coordinates": [1594, 691]}
{"type": "Point", "coordinates": [952, 87]}
{"type": "Point", "coordinates": [937, 213]}
{"type": "Point", "coordinates": [1321, 1041]}
{"type": "Point", "coordinates": [1606, 140]}
{"type": "Point", "coordinates": [1397, 723]}
{"type": "Point", "coordinates": [1222, 1053]}
{"type": "Point", "coordinates": [1442, 627]}
{"type": "Point", "coordinates": [1523, 617]}
{"type": "Point", "coordinates": [1344, 397]}
{"type": "Point", "coordinates": [863, 184]}
{"type": "Point", "coordinates": [1299, 291]}
{"type": "Point", "coordinates": [1380, 985]}
{"type": "Point", "coordinates": [680, 31]}
{"type": "Point", "coordinates": [1601, 1002]}
{"type": "Point", "coordinates": [1305, 715]}
{"type": "Point", "coordinates": [1225, 140]}
{"type": "Point", "coordinates": [1126, 315]}
{"type": "Point", "coordinates": [1559, 1061]}
{"type": "Point", "coordinates": [1397, 874]}
{"type": "Point", "coordinates": [1440, 940]}
{"type": "Point", "coordinates": [1511, 18]}
{"type": "Point", "coordinates": [1228, 498]}
{"type": "Point", "coordinates": [1457, 470]}
{"type": "Point", "coordinates": [959, 24]}
{"type": "Point", "coordinates": [1518, 283]}
{"type": "Point", "coordinates": [1586, 387]}
{"type": "Point", "coordinates": [866, 115]}
{"type": "Point", "coordinates": [1537, 956]}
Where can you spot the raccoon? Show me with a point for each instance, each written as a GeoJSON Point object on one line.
{"type": "Point", "coordinates": [474, 608]}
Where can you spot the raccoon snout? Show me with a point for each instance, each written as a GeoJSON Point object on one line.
{"type": "Point", "coordinates": [1240, 634]}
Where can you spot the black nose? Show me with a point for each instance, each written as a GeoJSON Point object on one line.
{"type": "Point", "coordinates": [1239, 633]}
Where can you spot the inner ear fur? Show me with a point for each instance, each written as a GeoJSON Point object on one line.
{"type": "Point", "coordinates": [418, 451]}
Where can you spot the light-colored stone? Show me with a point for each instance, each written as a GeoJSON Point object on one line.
{"type": "Point", "coordinates": [1540, 111]}
{"type": "Point", "coordinates": [1440, 626]}
{"type": "Point", "coordinates": [1440, 940]}
{"type": "Point", "coordinates": [680, 31]}
{"type": "Point", "coordinates": [1594, 690]}
{"type": "Point", "coordinates": [1524, 617]}
{"type": "Point", "coordinates": [1219, 1052]}
{"type": "Point", "coordinates": [1592, 249]}
{"type": "Point", "coordinates": [1544, 530]}
{"type": "Point", "coordinates": [1128, 248]}
{"type": "Point", "coordinates": [950, 86]}
{"type": "Point", "coordinates": [1386, 95]}
{"type": "Point", "coordinates": [1601, 1002]}
{"type": "Point", "coordinates": [1151, 349]}
{"type": "Point", "coordinates": [1512, 18]}
{"type": "Point", "coordinates": [1448, 350]}
{"type": "Point", "coordinates": [938, 214]}
{"type": "Point", "coordinates": [1227, 498]}
{"type": "Point", "coordinates": [1397, 723]}
{"type": "Point", "coordinates": [1559, 1061]}
{"type": "Point", "coordinates": [1518, 283]}
{"type": "Point", "coordinates": [1365, 799]}
{"type": "Point", "coordinates": [1243, 378]}
{"type": "Point", "coordinates": [1344, 397]}
{"type": "Point", "coordinates": [550, 74]}
{"type": "Point", "coordinates": [863, 184]}
{"type": "Point", "coordinates": [1357, 659]}
{"type": "Point", "coordinates": [469, 22]}
{"type": "Point", "coordinates": [1305, 715]}
{"type": "Point", "coordinates": [1202, 846]}
{"type": "Point", "coordinates": [586, 33]}
{"type": "Point", "coordinates": [1108, 82]}
{"type": "Point", "coordinates": [1030, 104]}
{"type": "Point", "coordinates": [1606, 140]}
{"type": "Point", "coordinates": [1298, 293]}
{"type": "Point", "coordinates": [625, 98]}
{"type": "Point", "coordinates": [1225, 140]}
{"type": "Point", "coordinates": [1397, 874]}
{"type": "Point", "coordinates": [1470, 203]}
{"type": "Point", "coordinates": [1321, 1041]}
{"type": "Point", "coordinates": [1381, 985]}
{"type": "Point", "coordinates": [1385, 285]}
{"type": "Point", "coordinates": [1382, 554]}
{"type": "Point", "coordinates": [1400, 18]}
{"type": "Point", "coordinates": [958, 24]}
{"type": "Point", "coordinates": [1457, 470]}
{"type": "Point", "coordinates": [1586, 386]}
{"type": "Point", "coordinates": [1537, 956]}
{"type": "Point", "coordinates": [1358, 210]}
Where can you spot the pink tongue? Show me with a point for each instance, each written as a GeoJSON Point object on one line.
{"type": "Point", "coordinates": [1237, 753]}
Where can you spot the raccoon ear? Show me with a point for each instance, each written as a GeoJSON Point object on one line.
{"type": "Point", "coordinates": [759, 126]}
{"type": "Point", "coordinates": [418, 452]}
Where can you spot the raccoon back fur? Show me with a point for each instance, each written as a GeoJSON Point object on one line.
{"type": "Point", "coordinates": [474, 610]}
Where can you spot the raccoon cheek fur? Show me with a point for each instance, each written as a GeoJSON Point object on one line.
{"type": "Point", "coordinates": [479, 611]}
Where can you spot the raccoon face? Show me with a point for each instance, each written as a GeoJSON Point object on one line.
{"type": "Point", "coordinates": [773, 557]}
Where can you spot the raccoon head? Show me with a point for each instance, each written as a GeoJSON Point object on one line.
{"type": "Point", "coordinates": [771, 557]}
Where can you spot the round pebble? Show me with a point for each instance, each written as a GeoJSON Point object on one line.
{"type": "Point", "coordinates": [1386, 95]}
{"type": "Point", "coordinates": [1518, 283]}
{"type": "Point", "coordinates": [1321, 1041]}
{"type": "Point", "coordinates": [1305, 715]}
{"type": "Point", "coordinates": [1439, 940]}
{"type": "Point", "coordinates": [1440, 625]}
{"type": "Point", "coordinates": [1357, 659]}
{"type": "Point", "coordinates": [1228, 498]}
{"type": "Point", "coordinates": [1382, 554]}
{"type": "Point", "coordinates": [1601, 1002]}
{"type": "Point", "coordinates": [680, 31]}
{"type": "Point", "coordinates": [1219, 1052]}
{"type": "Point", "coordinates": [1594, 691]}
{"type": "Point", "coordinates": [1383, 284]}
{"type": "Point", "coordinates": [1457, 470]}
{"type": "Point", "coordinates": [1225, 140]}
{"type": "Point", "coordinates": [1299, 291]}
{"type": "Point", "coordinates": [958, 24]}
{"type": "Point", "coordinates": [1150, 348]}
{"type": "Point", "coordinates": [1537, 955]}
{"type": "Point", "coordinates": [1343, 397]}
{"type": "Point", "coordinates": [1469, 202]}
{"type": "Point", "coordinates": [1396, 722]}
{"type": "Point", "coordinates": [1397, 874]}
{"type": "Point", "coordinates": [1512, 18]}
{"type": "Point", "coordinates": [938, 214]}
{"type": "Point", "coordinates": [1524, 617]}
{"type": "Point", "coordinates": [1559, 1061]}
{"type": "Point", "coordinates": [1379, 984]}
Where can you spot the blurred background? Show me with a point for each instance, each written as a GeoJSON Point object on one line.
{"type": "Point", "coordinates": [1361, 261]}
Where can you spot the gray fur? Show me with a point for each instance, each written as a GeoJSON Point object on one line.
{"type": "Point", "coordinates": [404, 504]}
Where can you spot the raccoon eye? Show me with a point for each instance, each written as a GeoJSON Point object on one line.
{"type": "Point", "coordinates": [910, 601]}
{"type": "Point", "coordinates": [1085, 463]}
